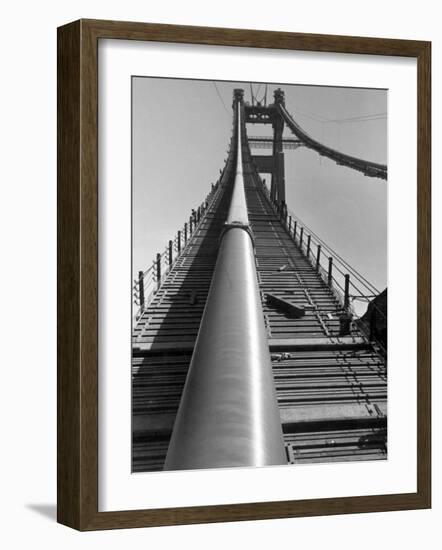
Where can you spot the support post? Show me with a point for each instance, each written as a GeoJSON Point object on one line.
{"type": "Point", "coordinates": [290, 224]}
{"type": "Point", "coordinates": [330, 271]}
{"type": "Point", "coordinates": [347, 291]}
{"type": "Point", "coordinates": [170, 253]}
{"type": "Point", "coordinates": [185, 233]}
{"type": "Point", "coordinates": [141, 289]}
{"type": "Point", "coordinates": [294, 231]}
{"type": "Point", "coordinates": [301, 236]}
{"type": "Point", "coordinates": [309, 238]}
{"type": "Point", "coordinates": [179, 242]}
{"type": "Point", "coordinates": [318, 257]}
{"type": "Point", "coordinates": [158, 268]}
{"type": "Point", "coordinates": [345, 318]}
{"type": "Point", "coordinates": [190, 225]}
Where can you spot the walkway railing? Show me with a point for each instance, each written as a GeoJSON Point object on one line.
{"type": "Point", "coordinates": [347, 284]}
{"type": "Point", "coordinates": [148, 282]}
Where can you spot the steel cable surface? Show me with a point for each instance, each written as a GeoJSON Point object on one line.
{"type": "Point", "coordinates": [228, 414]}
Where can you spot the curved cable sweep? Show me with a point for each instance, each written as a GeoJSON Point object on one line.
{"type": "Point", "coordinates": [368, 168]}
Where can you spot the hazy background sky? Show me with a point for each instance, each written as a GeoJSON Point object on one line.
{"type": "Point", "coordinates": [181, 130]}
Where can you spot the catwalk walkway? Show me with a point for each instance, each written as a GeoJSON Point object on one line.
{"type": "Point", "coordinates": [331, 385]}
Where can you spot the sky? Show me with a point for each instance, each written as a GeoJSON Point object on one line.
{"type": "Point", "coordinates": [181, 131]}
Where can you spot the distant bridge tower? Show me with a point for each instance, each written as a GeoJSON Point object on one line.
{"type": "Point", "coordinates": [278, 175]}
{"type": "Point", "coordinates": [271, 164]}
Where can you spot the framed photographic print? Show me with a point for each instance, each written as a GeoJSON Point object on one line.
{"type": "Point", "coordinates": [243, 247]}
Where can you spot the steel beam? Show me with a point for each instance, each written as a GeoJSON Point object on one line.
{"type": "Point", "coordinates": [333, 343]}
{"type": "Point", "coordinates": [278, 175]}
{"type": "Point", "coordinates": [265, 164]}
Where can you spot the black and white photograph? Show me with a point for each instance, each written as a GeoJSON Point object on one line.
{"type": "Point", "coordinates": [259, 262]}
{"type": "Point", "coordinates": [220, 266]}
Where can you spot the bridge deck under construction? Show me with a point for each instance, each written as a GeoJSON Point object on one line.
{"type": "Point", "coordinates": [331, 389]}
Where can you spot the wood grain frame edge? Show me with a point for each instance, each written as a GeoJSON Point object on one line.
{"type": "Point", "coordinates": [77, 410]}
{"type": "Point", "coordinates": [68, 275]}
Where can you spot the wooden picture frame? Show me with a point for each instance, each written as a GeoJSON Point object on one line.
{"type": "Point", "coordinates": [78, 274]}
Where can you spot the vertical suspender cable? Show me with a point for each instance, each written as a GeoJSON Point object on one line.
{"type": "Point", "coordinates": [228, 415]}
